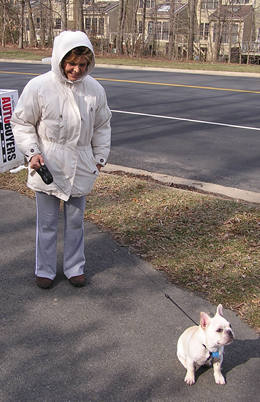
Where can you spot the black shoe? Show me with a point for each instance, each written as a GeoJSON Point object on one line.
{"type": "Point", "coordinates": [78, 281]}
{"type": "Point", "coordinates": [43, 283]}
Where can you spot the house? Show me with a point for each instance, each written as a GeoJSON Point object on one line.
{"type": "Point", "coordinates": [100, 21]}
{"type": "Point", "coordinates": [236, 23]}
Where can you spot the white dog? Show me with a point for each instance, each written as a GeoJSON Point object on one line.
{"type": "Point", "coordinates": [200, 345]}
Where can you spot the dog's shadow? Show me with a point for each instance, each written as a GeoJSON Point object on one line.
{"type": "Point", "coordinates": [239, 352]}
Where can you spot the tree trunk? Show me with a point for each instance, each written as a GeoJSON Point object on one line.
{"type": "Point", "coordinates": [42, 26]}
{"type": "Point", "coordinates": [21, 27]}
{"type": "Point", "coordinates": [143, 25]}
{"type": "Point", "coordinates": [32, 34]}
{"type": "Point", "coordinates": [171, 30]}
{"type": "Point", "coordinates": [191, 34]}
{"type": "Point", "coordinates": [50, 24]}
{"type": "Point", "coordinates": [155, 31]}
{"type": "Point", "coordinates": [120, 27]}
{"type": "Point", "coordinates": [218, 34]}
{"type": "Point", "coordinates": [79, 15]}
{"type": "Point", "coordinates": [3, 40]}
{"type": "Point", "coordinates": [64, 20]}
{"type": "Point", "coordinates": [134, 28]}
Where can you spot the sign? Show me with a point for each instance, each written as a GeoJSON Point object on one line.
{"type": "Point", "coordinates": [10, 156]}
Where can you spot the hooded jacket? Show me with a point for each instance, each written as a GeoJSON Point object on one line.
{"type": "Point", "coordinates": [67, 122]}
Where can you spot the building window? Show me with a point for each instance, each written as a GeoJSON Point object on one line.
{"type": "Point", "coordinates": [38, 22]}
{"type": "Point", "coordinates": [165, 31]}
{"type": "Point", "coordinates": [234, 33]}
{"type": "Point", "coordinates": [94, 25]}
{"type": "Point", "coordinates": [57, 24]}
{"type": "Point", "coordinates": [140, 27]}
{"type": "Point", "coordinates": [87, 24]}
{"type": "Point", "coordinates": [101, 26]}
{"type": "Point", "coordinates": [149, 3]}
{"type": "Point", "coordinates": [227, 33]}
{"type": "Point", "coordinates": [158, 33]}
{"type": "Point", "coordinates": [258, 35]}
{"type": "Point", "coordinates": [204, 31]}
{"type": "Point", "coordinates": [209, 4]}
{"type": "Point", "coordinates": [150, 27]}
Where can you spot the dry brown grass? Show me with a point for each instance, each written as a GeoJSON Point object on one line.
{"type": "Point", "coordinates": [204, 243]}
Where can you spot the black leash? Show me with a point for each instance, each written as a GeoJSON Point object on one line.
{"type": "Point", "coordinates": [168, 297]}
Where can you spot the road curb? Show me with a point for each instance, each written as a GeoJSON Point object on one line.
{"type": "Point", "coordinates": [173, 181]}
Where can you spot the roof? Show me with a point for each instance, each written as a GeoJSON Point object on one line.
{"type": "Point", "coordinates": [234, 11]}
{"type": "Point", "coordinates": [101, 6]}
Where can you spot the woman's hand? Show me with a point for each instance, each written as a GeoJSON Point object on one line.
{"type": "Point", "coordinates": [99, 167]}
{"type": "Point", "coordinates": [36, 161]}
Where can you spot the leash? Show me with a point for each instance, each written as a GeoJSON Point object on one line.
{"type": "Point", "coordinates": [168, 297]}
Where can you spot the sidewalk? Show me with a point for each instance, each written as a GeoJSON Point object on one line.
{"type": "Point", "coordinates": [115, 339]}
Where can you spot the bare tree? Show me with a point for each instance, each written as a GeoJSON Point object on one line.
{"type": "Point", "coordinates": [32, 36]}
{"type": "Point", "coordinates": [216, 51]}
{"type": "Point", "coordinates": [3, 22]}
{"type": "Point", "coordinates": [172, 30]}
{"type": "Point", "coordinates": [121, 23]}
{"type": "Point", "coordinates": [64, 20]}
{"type": "Point", "coordinates": [49, 24]}
{"type": "Point", "coordinates": [43, 24]}
{"type": "Point", "coordinates": [143, 26]}
{"type": "Point", "coordinates": [21, 25]}
{"type": "Point", "coordinates": [79, 15]}
{"type": "Point", "coordinates": [191, 32]}
{"type": "Point", "coordinates": [133, 27]}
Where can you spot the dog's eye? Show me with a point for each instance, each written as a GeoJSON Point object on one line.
{"type": "Point", "coordinates": [220, 330]}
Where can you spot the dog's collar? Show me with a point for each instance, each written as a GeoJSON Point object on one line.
{"type": "Point", "coordinates": [212, 355]}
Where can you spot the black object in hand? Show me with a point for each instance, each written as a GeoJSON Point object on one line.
{"type": "Point", "coordinates": [45, 174]}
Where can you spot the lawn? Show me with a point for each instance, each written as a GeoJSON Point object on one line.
{"type": "Point", "coordinates": [39, 54]}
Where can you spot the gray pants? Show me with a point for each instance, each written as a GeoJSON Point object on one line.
{"type": "Point", "coordinates": [46, 236]}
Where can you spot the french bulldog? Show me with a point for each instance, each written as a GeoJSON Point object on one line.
{"type": "Point", "coordinates": [204, 344]}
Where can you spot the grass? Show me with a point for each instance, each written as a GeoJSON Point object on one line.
{"type": "Point", "coordinates": [204, 243]}
{"type": "Point", "coordinates": [38, 54]}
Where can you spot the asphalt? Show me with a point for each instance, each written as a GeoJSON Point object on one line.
{"type": "Point", "coordinates": [113, 340]}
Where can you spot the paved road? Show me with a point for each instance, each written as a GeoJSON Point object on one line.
{"type": "Point", "coordinates": [112, 341]}
{"type": "Point", "coordinates": [179, 142]}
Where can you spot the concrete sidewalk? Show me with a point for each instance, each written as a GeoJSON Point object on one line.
{"type": "Point", "coordinates": [115, 339]}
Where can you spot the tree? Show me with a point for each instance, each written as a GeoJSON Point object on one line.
{"type": "Point", "coordinates": [21, 25]}
{"type": "Point", "coordinates": [32, 35]}
{"type": "Point", "coordinates": [120, 26]}
{"type": "Point", "coordinates": [216, 50]}
{"type": "Point", "coordinates": [64, 20]}
{"type": "Point", "coordinates": [172, 30]}
{"type": "Point", "coordinates": [79, 15]}
{"type": "Point", "coordinates": [49, 24]}
{"type": "Point", "coordinates": [191, 32]}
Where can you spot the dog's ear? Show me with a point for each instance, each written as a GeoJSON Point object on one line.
{"type": "Point", "coordinates": [204, 320]}
{"type": "Point", "coordinates": [220, 310]}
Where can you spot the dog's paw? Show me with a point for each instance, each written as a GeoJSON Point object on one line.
{"type": "Point", "coordinates": [189, 379]}
{"type": "Point", "coordinates": [219, 379]}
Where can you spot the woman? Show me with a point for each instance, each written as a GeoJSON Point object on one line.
{"type": "Point", "coordinates": [62, 120]}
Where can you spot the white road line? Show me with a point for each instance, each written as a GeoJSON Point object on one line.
{"type": "Point", "coordinates": [184, 119]}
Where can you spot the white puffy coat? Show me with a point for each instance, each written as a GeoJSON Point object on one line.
{"type": "Point", "coordinates": [68, 122]}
